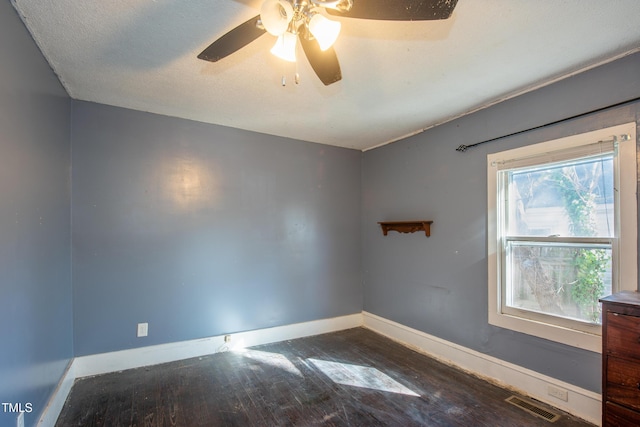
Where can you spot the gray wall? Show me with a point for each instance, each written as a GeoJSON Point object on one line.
{"type": "Point", "coordinates": [35, 248]}
{"type": "Point", "coordinates": [439, 284]}
{"type": "Point", "coordinates": [203, 230]}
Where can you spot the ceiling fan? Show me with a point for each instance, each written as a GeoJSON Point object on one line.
{"type": "Point", "coordinates": [293, 20]}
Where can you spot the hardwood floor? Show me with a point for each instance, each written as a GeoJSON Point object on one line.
{"type": "Point", "coordinates": [349, 378]}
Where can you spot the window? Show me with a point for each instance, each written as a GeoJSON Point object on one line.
{"type": "Point", "coordinates": [562, 233]}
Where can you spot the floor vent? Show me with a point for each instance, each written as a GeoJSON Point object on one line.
{"type": "Point", "coordinates": [533, 408]}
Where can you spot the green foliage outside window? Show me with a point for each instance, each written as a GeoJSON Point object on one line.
{"type": "Point", "coordinates": [578, 193]}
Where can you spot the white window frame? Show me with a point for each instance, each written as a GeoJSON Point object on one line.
{"type": "Point", "coordinates": [625, 247]}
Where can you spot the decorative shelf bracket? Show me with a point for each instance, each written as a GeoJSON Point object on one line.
{"type": "Point", "coordinates": [406, 226]}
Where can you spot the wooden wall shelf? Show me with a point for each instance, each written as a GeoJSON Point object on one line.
{"type": "Point", "coordinates": [406, 226]}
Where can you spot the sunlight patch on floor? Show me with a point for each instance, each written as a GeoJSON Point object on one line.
{"type": "Point", "coordinates": [273, 359]}
{"type": "Point", "coordinates": [360, 376]}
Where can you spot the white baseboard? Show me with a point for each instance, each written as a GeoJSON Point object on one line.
{"type": "Point", "coordinates": [581, 403]}
{"type": "Point", "coordinates": [97, 364]}
{"type": "Point", "coordinates": [51, 412]}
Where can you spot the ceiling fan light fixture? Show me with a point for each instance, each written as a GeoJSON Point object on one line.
{"type": "Point", "coordinates": [276, 16]}
{"type": "Point", "coordinates": [285, 47]}
{"type": "Point", "coordinates": [290, 20]}
{"type": "Point", "coordinates": [324, 30]}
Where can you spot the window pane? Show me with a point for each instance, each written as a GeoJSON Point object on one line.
{"type": "Point", "coordinates": [564, 199]}
{"type": "Point", "coordinates": [564, 280]}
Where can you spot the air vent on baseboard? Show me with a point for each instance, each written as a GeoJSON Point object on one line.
{"type": "Point", "coordinates": [533, 408]}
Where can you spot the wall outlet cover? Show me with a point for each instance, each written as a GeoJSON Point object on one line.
{"type": "Point", "coordinates": [143, 329]}
{"type": "Point", "coordinates": [558, 393]}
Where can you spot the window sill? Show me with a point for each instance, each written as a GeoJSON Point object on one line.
{"type": "Point", "coordinates": [571, 337]}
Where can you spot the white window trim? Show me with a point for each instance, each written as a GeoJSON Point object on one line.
{"type": "Point", "coordinates": [627, 269]}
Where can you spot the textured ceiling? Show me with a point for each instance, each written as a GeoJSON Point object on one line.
{"type": "Point", "coordinates": [398, 77]}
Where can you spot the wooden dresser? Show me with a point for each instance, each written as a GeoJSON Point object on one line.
{"type": "Point", "coordinates": [621, 359]}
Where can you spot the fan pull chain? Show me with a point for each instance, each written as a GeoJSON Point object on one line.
{"type": "Point", "coordinates": [284, 73]}
{"type": "Point", "coordinates": [286, 67]}
{"type": "Point", "coordinates": [296, 74]}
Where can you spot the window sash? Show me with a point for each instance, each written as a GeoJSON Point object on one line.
{"type": "Point", "coordinates": [577, 156]}
{"type": "Point", "coordinates": [537, 315]}
{"type": "Point", "coordinates": [600, 149]}
{"type": "Point", "coordinates": [586, 153]}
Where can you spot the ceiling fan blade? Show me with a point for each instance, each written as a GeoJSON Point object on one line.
{"type": "Point", "coordinates": [407, 10]}
{"type": "Point", "coordinates": [235, 39]}
{"type": "Point", "coordinates": [324, 63]}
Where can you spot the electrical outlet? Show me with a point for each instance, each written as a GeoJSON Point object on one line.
{"type": "Point", "coordinates": [143, 329]}
{"type": "Point", "coordinates": [20, 420]}
{"type": "Point", "coordinates": [227, 338]}
{"type": "Point", "coordinates": [558, 393]}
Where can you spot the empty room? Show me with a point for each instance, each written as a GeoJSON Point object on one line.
{"type": "Point", "coordinates": [340, 213]}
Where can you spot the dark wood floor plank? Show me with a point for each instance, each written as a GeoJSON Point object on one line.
{"type": "Point", "coordinates": [348, 378]}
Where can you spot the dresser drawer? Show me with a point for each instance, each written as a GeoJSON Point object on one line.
{"type": "Point", "coordinates": [618, 416]}
{"type": "Point", "coordinates": [623, 335]}
{"type": "Point", "coordinates": [623, 382]}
